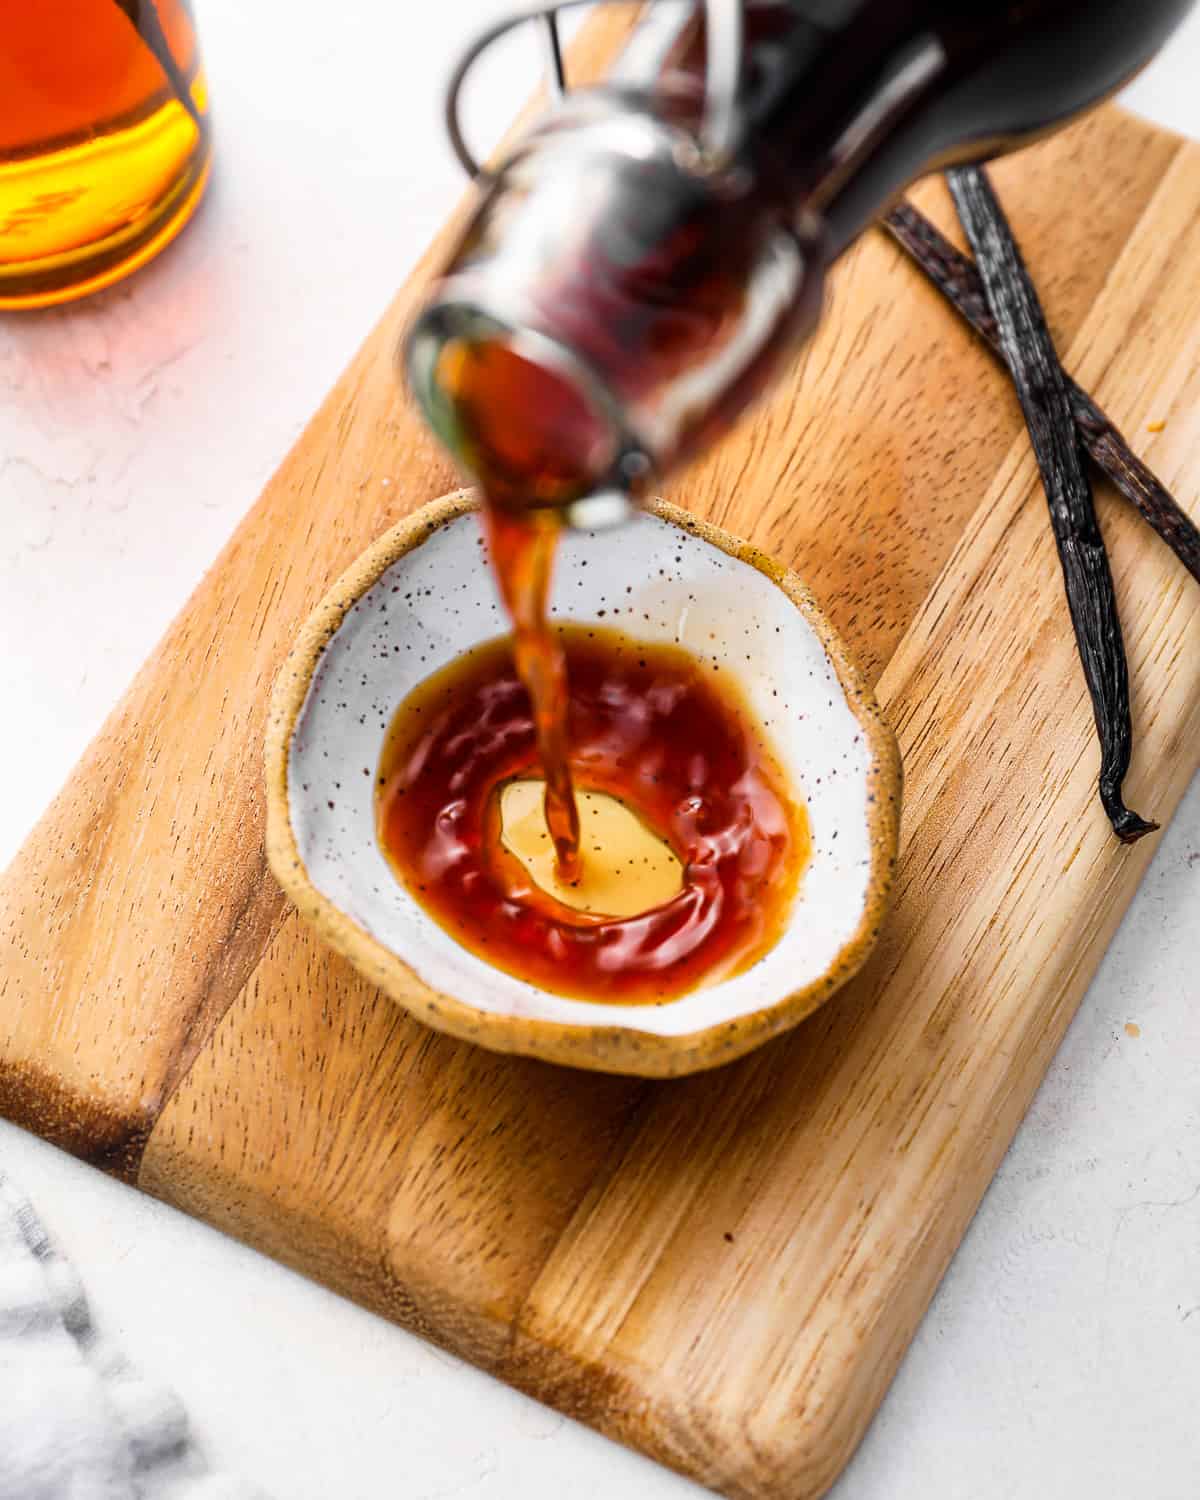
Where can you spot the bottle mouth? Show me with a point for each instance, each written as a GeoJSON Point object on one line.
{"type": "Point", "coordinates": [522, 416]}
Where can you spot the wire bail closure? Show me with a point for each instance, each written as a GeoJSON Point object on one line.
{"type": "Point", "coordinates": [723, 38]}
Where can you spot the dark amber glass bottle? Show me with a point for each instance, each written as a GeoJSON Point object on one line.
{"type": "Point", "coordinates": [648, 286]}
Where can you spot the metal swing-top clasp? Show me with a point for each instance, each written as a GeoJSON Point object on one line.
{"type": "Point", "coordinates": [723, 65]}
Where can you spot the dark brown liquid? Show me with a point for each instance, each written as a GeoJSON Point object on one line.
{"type": "Point", "coordinates": [658, 736]}
{"type": "Point", "coordinates": [648, 724]}
{"type": "Point", "coordinates": [528, 435]}
{"type": "Point", "coordinates": [522, 547]}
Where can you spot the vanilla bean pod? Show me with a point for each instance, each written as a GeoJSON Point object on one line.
{"type": "Point", "coordinates": [1042, 389]}
{"type": "Point", "coordinates": [956, 278]}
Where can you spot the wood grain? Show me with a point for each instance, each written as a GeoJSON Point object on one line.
{"type": "Point", "coordinates": [722, 1271]}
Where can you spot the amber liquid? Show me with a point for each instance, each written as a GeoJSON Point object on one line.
{"type": "Point", "coordinates": [646, 726]}
{"type": "Point", "coordinates": [528, 436]}
{"type": "Point", "coordinates": [522, 549]}
{"type": "Point", "coordinates": [650, 725]}
{"type": "Point", "coordinates": [104, 144]}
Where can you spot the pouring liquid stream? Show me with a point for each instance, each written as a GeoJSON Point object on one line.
{"type": "Point", "coordinates": [692, 844]}
{"type": "Point", "coordinates": [522, 548]}
{"type": "Point", "coordinates": [529, 439]}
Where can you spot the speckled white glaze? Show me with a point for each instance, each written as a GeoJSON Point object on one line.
{"type": "Point", "coordinates": [656, 581]}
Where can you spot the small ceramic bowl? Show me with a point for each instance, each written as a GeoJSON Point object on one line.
{"type": "Point", "coordinates": [422, 595]}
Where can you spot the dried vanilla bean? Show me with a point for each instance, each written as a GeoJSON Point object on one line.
{"type": "Point", "coordinates": [1042, 390]}
{"type": "Point", "coordinates": [956, 278]}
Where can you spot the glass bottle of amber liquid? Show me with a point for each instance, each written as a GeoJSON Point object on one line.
{"type": "Point", "coordinates": [104, 141]}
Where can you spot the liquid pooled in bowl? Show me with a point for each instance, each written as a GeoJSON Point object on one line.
{"type": "Point", "coordinates": [686, 828]}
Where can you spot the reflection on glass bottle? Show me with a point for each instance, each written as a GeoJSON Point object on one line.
{"type": "Point", "coordinates": [104, 141]}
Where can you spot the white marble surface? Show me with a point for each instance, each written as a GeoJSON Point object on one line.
{"type": "Point", "coordinates": [1061, 1356]}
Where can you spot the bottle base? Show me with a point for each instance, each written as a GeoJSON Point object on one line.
{"type": "Point", "coordinates": [89, 268]}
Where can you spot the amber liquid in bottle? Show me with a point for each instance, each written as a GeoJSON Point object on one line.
{"type": "Point", "coordinates": [104, 141]}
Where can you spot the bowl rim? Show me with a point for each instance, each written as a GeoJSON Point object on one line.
{"type": "Point", "coordinates": [605, 1048]}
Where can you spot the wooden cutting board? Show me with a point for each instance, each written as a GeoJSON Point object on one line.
{"type": "Point", "coordinates": [722, 1271]}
